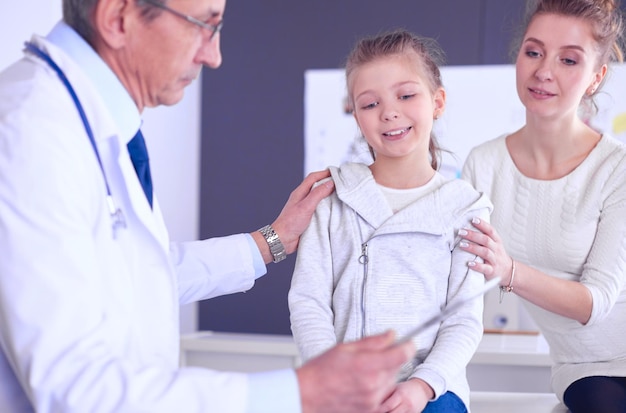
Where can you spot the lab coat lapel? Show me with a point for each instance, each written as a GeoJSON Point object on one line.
{"type": "Point", "coordinates": [149, 217]}
{"type": "Point", "coordinates": [127, 190]}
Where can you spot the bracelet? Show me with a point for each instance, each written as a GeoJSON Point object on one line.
{"type": "Point", "coordinates": [508, 288]}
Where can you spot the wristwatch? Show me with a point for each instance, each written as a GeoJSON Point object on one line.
{"type": "Point", "coordinates": [276, 247]}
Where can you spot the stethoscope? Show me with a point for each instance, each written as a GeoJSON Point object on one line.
{"type": "Point", "coordinates": [117, 217]}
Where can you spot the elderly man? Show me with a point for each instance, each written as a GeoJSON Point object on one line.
{"type": "Point", "coordinates": [90, 284]}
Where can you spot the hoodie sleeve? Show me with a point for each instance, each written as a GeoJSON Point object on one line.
{"type": "Point", "coordinates": [310, 296]}
{"type": "Point", "coordinates": [460, 334]}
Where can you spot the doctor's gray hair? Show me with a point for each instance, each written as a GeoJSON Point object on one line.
{"type": "Point", "coordinates": [78, 15]}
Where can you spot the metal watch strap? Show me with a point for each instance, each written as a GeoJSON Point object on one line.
{"type": "Point", "coordinates": [276, 247]}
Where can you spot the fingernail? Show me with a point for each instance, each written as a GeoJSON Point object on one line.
{"type": "Point", "coordinates": [471, 264]}
{"type": "Point", "coordinates": [464, 244]}
{"type": "Point", "coordinates": [475, 220]}
{"type": "Point", "coordinates": [462, 232]}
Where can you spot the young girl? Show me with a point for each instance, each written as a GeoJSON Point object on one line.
{"type": "Point", "coordinates": [381, 252]}
{"type": "Point", "coordinates": [559, 190]}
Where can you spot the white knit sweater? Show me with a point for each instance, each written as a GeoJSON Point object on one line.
{"type": "Point", "coordinates": [572, 228]}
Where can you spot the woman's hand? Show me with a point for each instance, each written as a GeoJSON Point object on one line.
{"type": "Point", "coordinates": [487, 244]}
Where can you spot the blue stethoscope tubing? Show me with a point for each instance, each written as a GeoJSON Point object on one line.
{"type": "Point", "coordinates": [116, 213]}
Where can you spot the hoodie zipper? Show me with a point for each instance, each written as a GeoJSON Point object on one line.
{"type": "Point", "coordinates": [363, 260]}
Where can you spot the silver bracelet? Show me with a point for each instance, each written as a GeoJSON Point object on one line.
{"type": "Point", "coordinates": [508, 288]}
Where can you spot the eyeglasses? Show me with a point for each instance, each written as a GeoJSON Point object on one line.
{"type": "Point", "coordinates": [212, 28]}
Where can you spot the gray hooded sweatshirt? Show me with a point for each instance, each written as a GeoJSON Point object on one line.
{"type": "Point", "coordinates": [362, 269]}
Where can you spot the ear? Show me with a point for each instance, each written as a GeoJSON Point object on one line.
{"type": "Point", "coordinates": [110, 20]}
{"type": "Point", "coordinates": [598, 77]}
{"type": "Point", "coordinates": [440, 102]}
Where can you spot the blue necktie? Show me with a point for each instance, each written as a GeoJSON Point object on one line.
{"type": "Point", "coordinates": [141, 162]}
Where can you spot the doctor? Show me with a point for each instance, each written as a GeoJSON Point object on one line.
{"type": "Point", "coordinates": [89, 283]}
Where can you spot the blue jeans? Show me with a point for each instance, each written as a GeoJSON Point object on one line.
{"type": "Point", "coordinates": [446, 403]}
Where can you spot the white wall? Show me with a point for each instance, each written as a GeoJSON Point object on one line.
{"type": "Point", "coordinates": [173, 133]}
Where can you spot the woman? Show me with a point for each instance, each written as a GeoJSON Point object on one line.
{"type": "Point", "coordinates": [558, 232]}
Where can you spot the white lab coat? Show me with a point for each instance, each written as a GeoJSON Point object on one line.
{"type": "Point", "coordinates": [89, 323]}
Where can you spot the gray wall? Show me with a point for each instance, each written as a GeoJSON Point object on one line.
{"type": "Point", "coordinates": [253, 112]}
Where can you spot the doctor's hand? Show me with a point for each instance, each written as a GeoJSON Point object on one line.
{"type": "Point", "coordinates": [487, 244]}
{"type": "Point", "coordinates": [353, 377]}
{"type": "Point", "coordinates": [297, 212]}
